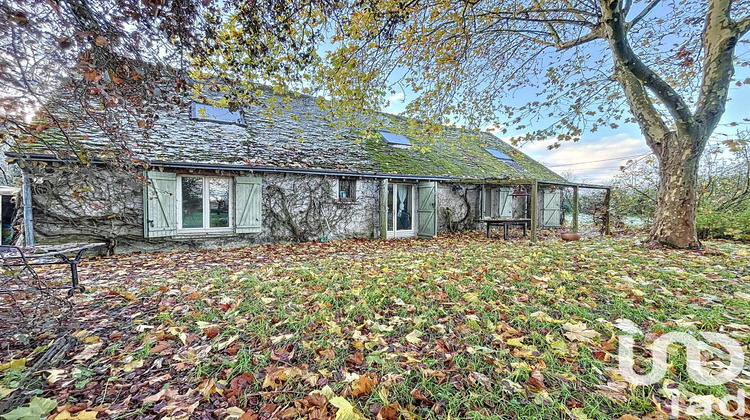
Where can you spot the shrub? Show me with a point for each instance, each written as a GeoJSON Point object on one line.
{"type": "Point", "coordinates": [724, 225]}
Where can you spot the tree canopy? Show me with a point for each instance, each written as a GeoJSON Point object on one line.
{"type": "Point", "coordinates": [470, 61]}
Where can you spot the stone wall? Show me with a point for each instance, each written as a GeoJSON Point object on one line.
{"type": "Point", "coordinates": [101, 204]}
{"type": "Point", "coordinates": [458, 206]}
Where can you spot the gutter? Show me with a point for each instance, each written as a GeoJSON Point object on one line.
{"type": "Point", "coordinates": [40, 157]}
{"type": "Point", "coordinates": [246, 168]}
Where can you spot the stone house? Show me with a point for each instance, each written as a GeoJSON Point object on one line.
{"type": "Point", "coordinates": [203, 176]}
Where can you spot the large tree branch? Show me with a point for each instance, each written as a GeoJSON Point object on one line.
{"type": "Point", "coordinates": [626, 60]}
{"type": "Point", "coordinates": [720, 36]}
{"type": "Point", "coordinates": [649, 7]}
{"type": "Point", "coordinates": [649, 119]}
{"type": "Point", "coordinates": [594, 34]}
{"type": "Point", "coordinates": [743, 26]}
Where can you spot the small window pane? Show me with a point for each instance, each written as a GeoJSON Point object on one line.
{"type": "Point", "coordinates": [192, 203]}
{"type": "Point", "coordinates": [218, 195]}
{"type": "Point", "coordinates": [346, 189]}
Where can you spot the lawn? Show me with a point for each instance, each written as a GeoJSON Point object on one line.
{"type": "Point", "coordinates": [459, 327]}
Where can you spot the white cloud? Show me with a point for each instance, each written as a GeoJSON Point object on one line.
{"type": "Point", "coordinates": [396, 104]}
{"type": "Point", "coordinates": [595, 160]}
{"type": "Point", "coordinates": [396, 97]}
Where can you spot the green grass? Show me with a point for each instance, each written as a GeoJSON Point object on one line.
{"type": "Point", "coordinates": [464, 320]}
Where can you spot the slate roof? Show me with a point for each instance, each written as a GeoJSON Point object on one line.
{"type": "Point", "coordinates": [300, 135]}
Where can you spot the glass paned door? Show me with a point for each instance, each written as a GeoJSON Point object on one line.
{"type": "Point", "coordinates": [404, 207]}
{"type": "Point", "coordinates": [400, 210]}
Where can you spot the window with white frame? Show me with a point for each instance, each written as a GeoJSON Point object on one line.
{"type": "Point", "coordinates": [191, 204]}
{"type": "Point", "coordinates": [204, 203]}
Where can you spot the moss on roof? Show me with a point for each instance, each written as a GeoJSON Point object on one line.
{"type": "Point", "coordinates": [452, 152]}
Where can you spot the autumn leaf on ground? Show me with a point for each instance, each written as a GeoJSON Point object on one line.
{"type": "Point", "coordinates": [55, 375]}
{"type": "Point", "coordinates": [5, 391]}
{"type": "Point", "coordinates": [579, 414]}
{"type": "Point", "coordinates": [420, 396]}
{"type": "Point", "coordinates": [227, 343]}
{"type": "Point", "coordinates": [579, 332]}
{"type": "Point", "coordinates": [80, 415]}
{"type": "Point", "coordinates": [615, 391]}
{"type": "Point", "coordinates": [15, 364]}
{"type": "Point", "coordinates": [364, 384]}
{"type": "Point", "coordinates": [356, 359]}
{"type": "Point", "coordinates": [37, 408]}
{"type": "Point", "coordinates": [327, 353]}
{"type": "Point", "coordinates": [275, 377]}
{"type": "Point", "coordinates": [234, 413]}
{"type": "Point", "coordinates": [627, 326]}
{"type": "Point", "coordinates": [414, 337]}
{"type": "Point", "coordinates": [345, 411]}
{"type": "Point", "coordinates": [314, 400]}
{"type": "Point", "coordinates": [481, 379]}
{"type": "Point", "coordinates": [88, 352]}
{"type": "Point", "coordinates": [388, 412]}
{"type": "Point", "coordinates": [536, 381]}
{"type": "Point", "coordinates": [131, 366]}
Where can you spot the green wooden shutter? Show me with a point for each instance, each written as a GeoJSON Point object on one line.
{"type": "Point", "coordinates": [383, 213]}
{"type": "Point", "coordinates": [248, 204]}
{"type": "Point", "coordinates": [505, 203]}
{"type": "Point", "coordinates": [160, 204]}
{"type": "Point", "coordinates": [551, 208]}
{"type": "Point", "coordinates": [486, 202]}
{"type": "Point", "coordinates": [427, 209]}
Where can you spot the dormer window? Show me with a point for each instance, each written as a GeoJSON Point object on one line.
{"type": "Point", "coordinates": [210, 113]}
{"type": "Point", "coordinates": [395, 140]}
{"type": "Point", "coordinates": [502, 157]}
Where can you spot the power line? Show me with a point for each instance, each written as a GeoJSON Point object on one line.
{"type": "Point", "coordinates": [600, 160]}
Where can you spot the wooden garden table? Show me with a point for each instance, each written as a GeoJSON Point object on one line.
{"type": "Point", "coordinates": [505, 223]}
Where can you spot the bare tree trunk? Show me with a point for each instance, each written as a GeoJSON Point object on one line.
{"type": "Point", "coordinates": [674, 222]}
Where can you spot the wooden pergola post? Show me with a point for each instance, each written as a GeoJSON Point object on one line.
{"type": "Point", "coordinates": [575, 209]}
{"type": "Point", "coordinates": [534, 195]}
{"type": "Point", "coordinates": [607, 209]}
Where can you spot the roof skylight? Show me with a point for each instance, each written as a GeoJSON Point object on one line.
{"type": "Point", "coordinates": [206, 112]}
{"type": "Point", "coordinates": [496, 153]}
{"type": "Point", "coordinates": [395, 139]}
{"type": "Point", "coordinates": [502, 157]}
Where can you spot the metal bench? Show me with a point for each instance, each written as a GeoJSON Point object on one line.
{"type": "Point", "coordinates": [28, 257]}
